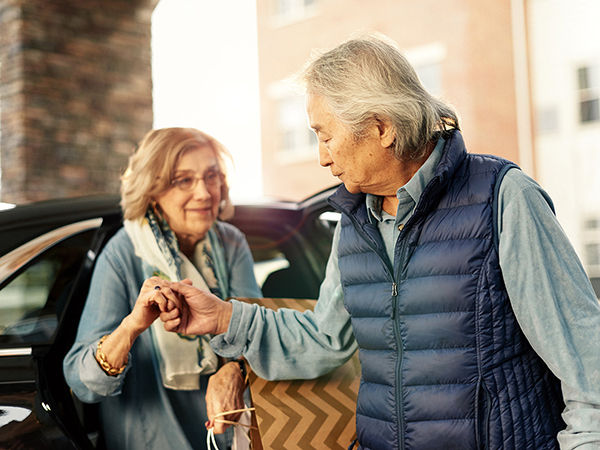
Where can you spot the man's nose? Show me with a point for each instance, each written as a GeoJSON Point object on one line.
{"type": "Point", "coordinates": [324, 156]}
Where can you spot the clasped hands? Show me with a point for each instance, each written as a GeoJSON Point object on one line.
{"type": "Point", "coordinates": [188, 310]}
{"type": "Point", "coordinates": [182, 307]}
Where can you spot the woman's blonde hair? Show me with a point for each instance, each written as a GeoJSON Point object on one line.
{"type": "Point", "coordinates": [152, 166]}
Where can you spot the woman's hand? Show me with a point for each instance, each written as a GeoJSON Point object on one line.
{"type": "Point", "coordinates": [154, 298]}
{"type": "Point", "coordinates": [225, 392]}
{"type": "Point", "coordinates": [148, 306]}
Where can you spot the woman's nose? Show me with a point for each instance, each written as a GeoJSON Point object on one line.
{"type": "Point", "coordinates": [200, 190]}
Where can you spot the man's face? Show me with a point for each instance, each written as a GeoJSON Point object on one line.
{"type": "Point", "coordinates": [360, 164]}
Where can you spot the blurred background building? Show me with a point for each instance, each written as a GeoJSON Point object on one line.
{"type": "Point", "coordinates": [564, 56]}
{"type": "Point", "coordinates": [463, 52]}
{"type": "Point", "coordinates": [524, 76]}
{"type": "Point", "coordinates": [79, 81]}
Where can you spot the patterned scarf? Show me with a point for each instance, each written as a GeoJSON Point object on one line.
{"type": "Point", "coordinates": [182, 358]}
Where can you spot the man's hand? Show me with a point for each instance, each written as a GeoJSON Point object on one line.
{"type": "Point", "coordinates": [198, 312]}
{"type": "Point", "coordinates": [225, 392]}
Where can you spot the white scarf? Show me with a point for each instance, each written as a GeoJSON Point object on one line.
{"type": "Point", "coordinates": [182, 359]}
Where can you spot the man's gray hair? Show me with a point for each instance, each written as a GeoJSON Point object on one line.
{"type": "Point", "coordinates": [367, 79]}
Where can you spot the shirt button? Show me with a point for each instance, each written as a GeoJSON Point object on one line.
{"type": "Point", "coordinates": [400, 227]}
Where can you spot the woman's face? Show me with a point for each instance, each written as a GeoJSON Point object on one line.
{"type": "Point", "coordinates": [191, 203]}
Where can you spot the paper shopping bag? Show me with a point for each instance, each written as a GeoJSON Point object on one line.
{"type": "Point", "coordinates": [305, 414]}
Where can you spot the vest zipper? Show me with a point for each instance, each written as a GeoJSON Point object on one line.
{"type": "Point", "coordinates": [390, 272]}
{"type": "Point", "coordinates": [402, 239]}
{"type": "Point", "coordinates": [394, 299]}
{"type": "Point", "coordinates": [398, 392]}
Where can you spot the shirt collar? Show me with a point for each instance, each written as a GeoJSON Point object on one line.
{"type": "Point", "coordinates": [414, 187]}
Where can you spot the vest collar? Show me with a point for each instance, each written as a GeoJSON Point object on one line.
{"type": "Point", "coordinates": [453, 155]}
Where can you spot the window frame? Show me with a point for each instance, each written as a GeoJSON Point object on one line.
{"type": "Point", "coordinates": [588, 93]}
{"type": "Point", "coordinates": [18, 260]}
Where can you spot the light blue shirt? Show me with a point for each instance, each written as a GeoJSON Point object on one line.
{"type": "Point", "coordinates": [549, 291]}
{"type": "Point", "coordinates": [136, 410]}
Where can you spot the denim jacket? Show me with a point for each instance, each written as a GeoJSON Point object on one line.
{"type": "Point", "coordinates": [136, 411]}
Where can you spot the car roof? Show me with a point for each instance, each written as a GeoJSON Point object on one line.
{"type": "Point", "coordinates": [49, 214]}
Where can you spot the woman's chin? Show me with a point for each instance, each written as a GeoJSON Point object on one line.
{"type": "Point", "coordinates": [196, 225]}
{"type": "Point", "coordinates": [199, 216]}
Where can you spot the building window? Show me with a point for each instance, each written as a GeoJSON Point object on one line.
{"type": "Point", "coordinates": [295, 137]}
{"type": "Point", "coordinates": [592, 254]}
{"type": "Point", "coordinates": [428, 63]}
{"type": "Point", "coordinates": [547, 119]}
{"type": "Point", "coordinates": [591, 245]}
{"type": "Point", "coordinates": [431, 76]}
{"type": "Point", "coordinates": [291, 10]}
{"type": "Point", "coordinates": [591, 250]}
{"type": "Point", "coordinates": [588, 84]}
{"type": "Point", "coordinates": [592, 224]}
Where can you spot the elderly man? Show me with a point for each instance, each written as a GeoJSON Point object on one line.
{"type": "Point", "coordinates": [448, 271]}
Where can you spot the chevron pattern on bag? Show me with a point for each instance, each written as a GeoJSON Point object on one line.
{"type": "Point", "coordinates": [306, 414]}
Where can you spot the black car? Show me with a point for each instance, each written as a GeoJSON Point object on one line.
{"type": "Point", "coordinates": [47, 254]}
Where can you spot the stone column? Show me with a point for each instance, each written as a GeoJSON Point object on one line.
{"type": "Point", "coordinates": [75, 94]}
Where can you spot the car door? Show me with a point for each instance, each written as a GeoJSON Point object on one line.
{"type": "Point", "coordinates": [46, 265]}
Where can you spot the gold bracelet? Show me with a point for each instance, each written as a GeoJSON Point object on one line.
{"type": "Point", "coordinates": [104, 364]}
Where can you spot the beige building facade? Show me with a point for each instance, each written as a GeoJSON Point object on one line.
{"type": "Point", "coordinates": [465, 52]}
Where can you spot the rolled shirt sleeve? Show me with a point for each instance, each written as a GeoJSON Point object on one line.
{"type": "Point", "coordinates": [553, 301]}
{"type": "Point", "coordinates": [287, 344]}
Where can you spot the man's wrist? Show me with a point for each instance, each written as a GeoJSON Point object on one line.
{"type": "Point", "coordinates": [224, 318]}
{"type": "Point", "coordinates": [243, 371]}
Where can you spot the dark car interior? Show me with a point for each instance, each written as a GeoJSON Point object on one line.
{"type": "Point", "coordinates": [290, 248]}
{"type": "Point", "coordinates": [52, 285]}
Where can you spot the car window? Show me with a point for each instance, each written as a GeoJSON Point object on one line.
{"type": "Point", "coordinates": [330, 219]}
{"type": "Point", "coordinates": [282, 268]}
{"type": "Point", "coordinates": [268, 258]}
{"type": "Point", "coordinates": [32, 300]}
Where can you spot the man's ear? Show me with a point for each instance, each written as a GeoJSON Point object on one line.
{"type": "Point", "coordinates": [387, 133]}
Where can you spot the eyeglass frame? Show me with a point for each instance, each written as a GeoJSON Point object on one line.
{"type": "Point", "coordinates": [208, 183]}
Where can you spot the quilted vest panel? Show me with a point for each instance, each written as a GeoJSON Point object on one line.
{"type": "Point", "coordinates": [444, 362]}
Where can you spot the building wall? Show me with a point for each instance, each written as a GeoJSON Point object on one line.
{"type": "Point", "coordinates": [564, 38]}
{"type": "Point", "coordinates": [472, 39]}
{"type": "Point", "coordinates": [75, 94]}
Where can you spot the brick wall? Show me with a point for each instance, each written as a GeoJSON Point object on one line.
{"type": "Point", "coordinates": [75, 94]}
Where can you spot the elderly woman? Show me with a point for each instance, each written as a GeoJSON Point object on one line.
{"type": "Point", "coordinates": [152, 383]}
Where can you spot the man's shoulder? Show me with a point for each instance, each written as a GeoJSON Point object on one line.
{"type": "Point", "coordinates": [517, 179]}
{"type": "Point", "coordinates": [516, 184]}
{"type": "Point", "coordinates": [487, 161]}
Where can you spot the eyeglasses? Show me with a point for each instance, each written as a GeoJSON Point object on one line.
{"type": "Point", "coordinates": [211, 178]}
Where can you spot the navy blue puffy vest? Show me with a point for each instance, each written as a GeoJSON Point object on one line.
{"type": "Point", "coordinates": [444, 362]}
